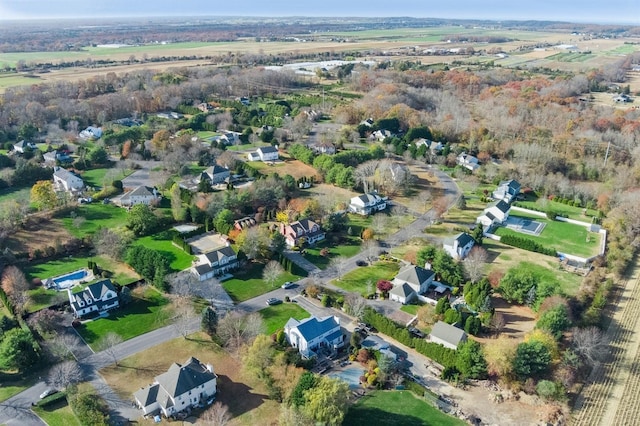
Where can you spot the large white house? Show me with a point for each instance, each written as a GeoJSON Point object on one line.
{"type": "Point", "coordinates": [97, 297]}
{"type": "Point", "coordinates": [64, 180]}
{"type": "Point", "coordinates": [22, 146]}
{"type": "Point", "coordinates": [447, 335]}
{"type": "Point", "coordinates": [311, 334]}
{"type": "Point", "coordinates": [507, 190]}
{"type": "Point", "coordinates": [215, 263]}
{"type": "Point", "coordinates": [139, 195]}
{"type": "Point", "coordinates": [181, 387]}
{"type": "Point", "coordinates": [495, 214]}
{"type": "Point", "coordinates": [467, 161]}
{"type": "Point", "coordinates": [459, 246]}
{"type": "Point", "coordinates": [368, 203]}
{"type": "Point", "coordinates": [215, 174]}
{"type": "Point", "coordinates": [410, 282]}
{"type": "Point", "coordinates": [264, 153]}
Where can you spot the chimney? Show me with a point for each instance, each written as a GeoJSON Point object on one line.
{"type": "Point", "coordinates": [209, 368]}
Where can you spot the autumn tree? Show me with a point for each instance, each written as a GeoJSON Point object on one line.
{"type": "Point", "coordinates": [474, 263]}
{"type": "Point", "coordinates": [590, 344]}
{"type": "Point", "coordinates": [254, 242]}
{"type": "Point", "coordinates": [236, 330]}
{"type": "Point", "coordinates": [327, 401]}
{"type": "Point", "coordinates": [15, 285]}
{"type": "Point", "coordinates": [500, 355]}
{"type": "Point", "coordinates": [259, 355]}
{"type": "Point", "coordinates": [337, 265]}
{"type": "Point", "coordinates": [177, 210]}
{"type": "Point", "coordinates": [384, 287]}
{"type": "Point", "coordinates": [111, 242]}
{"type": "Point", "coordinates": [272, 272]}
{"type": "Point", "coordinates": [355, 305]}
{"type": "Point", "coordinates": [43, 196]}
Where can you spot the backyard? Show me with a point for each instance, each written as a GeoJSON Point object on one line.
{"type": "Point", "coordinates": [94, 216]}
{"type": "Point", "coordinates": [247, 282]}
{"type": "Point", "coordinates": [572, 212]}
{"type": "Point", "coordinates": [275, 317]}
{"type": "Point", "coordinates": [180, 260]}
{"type": "Point", "coordinates": [356, 280]}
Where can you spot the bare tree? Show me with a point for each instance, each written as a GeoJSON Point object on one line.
{"type": "Point", "coordinates": [370, 249]}
{"type": "Point", "coordinates": [64, 374]}
{"type": "Point", "coordinates": [217, 415]}
{"type": "Point", "coordinates": [355, 305]}
{"type": "Point", "coordinates": [111, 243]}
{"type": "Point", "coordinates": [108, 345]}
{"type": "Point", "coordinates": [364, 174]}
{"type": "Point", "coordinates": [380, 223]}
{"type": "Point", "coordinates": [590, 344]}
{"type": "Point", "coordinates": [15, 285]}
{"type": "Point", "coordinates": [498, 322]}
{"type": "Point", "coordinates": [337, 265]}
{"type": "Point", "coordinates": [271, 272]}
{"type": "Point", "coordinates": [236, 329]}
{"type": "Point", "coordinates": [62, 346]}
{"type": "Point", "coordinates": [474, 263]}
{"type": "Point", "coordinates": [184, 316]}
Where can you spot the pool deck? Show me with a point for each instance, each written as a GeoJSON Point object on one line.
{"type": "Point", "coordinates": [50, 283]}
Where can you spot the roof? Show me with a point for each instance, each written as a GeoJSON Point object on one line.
{"type": "Point", "coordinates": [500, 205]}
{"type": "Point", "coordinates": [403, 290]}
{"type": "Point", "coordinates": [463, 239]}
{"type": "Point", "coordinates": [99, 289]}
{"type": "Point", "coordinates": [93, 295]}
{"type": "Point", "coordinates": [216, 169]}
{"type": "Point", "coordinates": [511, 183]}
{"type": "Point", "coordinates": [414, 275]}
{"type": "Point", "coordinates": [183, 378]}
{"type": "Point", "coordinates": [268, 149]}
{"type": "Point", "coordinates": [219, 254]}
{"type": "Point", "coordinates": [140, 191]}
{"type": "Point", "coordinates": [65, 175]}
{"type": "Point", "coordinates": [148, 395]}
{"type": "Point", "coordinates": [370, 197]}
{"type": "Point", "coordinates": [312, 327]}
{"type": "Point", "coordinates": [448, 333]}
{"type": "Point", "coordinates": [203, 269]}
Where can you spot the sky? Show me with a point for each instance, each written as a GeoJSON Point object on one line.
{"type": "Point", "coordinates": [594, 11]}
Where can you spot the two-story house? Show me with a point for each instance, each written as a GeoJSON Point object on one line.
{"type": "Point", "coordinates": [368, 203]}
{"type": "Point", "coordinates": [302, 231]}
{"type": "Point", "coordinates": [97, 297]}
{"type": "Point", "coordinates": [467, 161]}
{"type": "Point", "coordinates": [311, 334]}
{"type": "Point", "coordinates": [410, 282]}
{"type": "Point", "coordinates": [459, 246]}
{"type": "Point", "coordinates": [495, 214]}
{"type": "Point", "coordinates": [507, 190]}
{"type": "Point", "coordinates": [181, 387]}
{"type": "Point", "coordinates": [139, 195]}
{"type": "Point", "coordinates": [264, 153]}
{"type": "Point", "coordinates": [215, 174]}
{"type": "Point", "coordinates": [215, 263]}
{"type": "Point", "coordinates": [23, 146]}
{"type": "Point", "coordinates": [52, 157]}
{"type": "Point", "coordinates": [64, 180]}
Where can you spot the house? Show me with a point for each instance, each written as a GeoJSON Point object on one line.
{"type": "Point", "coordinates": [170, 115]}
{"type": "Point", "coordinates": [495, 214]}
{"type": "Point", "coordinates": [264, 153]}
{"type": "Point", "coordinates": [310, 334]}
{"type": "Point", "coordinates": [23, 145]}
{"type": "Point", "coordinates": [91, 133]}
{"type": "Point", "coordinates": [244, 223]}
{"type": "Point", "coordinates": [324, 147]}
{"type": "Point", "coordinates": [215, 174]}
{"type": "Point", "coordinates": [97, 297]}
{"type": "Point", "coordinates": [422, 141]}
{"type": "Point", "coordinates": [52, 157]}
{"type": "Point", "coordinates": [302, 231]}
{"type": "Point", "coordinates": [436, 147]}
{"type": "Point", "coordinates": [204, 107]}
{"type": "Point", "coordinates": [467, 161]}
{"type": "Point", "coordinates": [622, 98]}
{"type": "Point", "coordinates": [181, 387]}
{"type": "Point", "coordinates": [380, 135]}
{"type": "Point", "coordinates": [368, 203]}
{"type": "Point", "coordinates": [139, 195]}
{"type": "Point", "coordinates": [447, 335]}
{"type": "Point", "coordinates": [215, 263]}
{"type": "Point", "coordinates": [367, 123]}
{"type": "Point", "coordinates": [507, 190]}
{"type": "Point", "coordinates": [410, 282]}
{"type": "Point", "coordinates": [227, 138]}
{"type": "Point", "coordinates": [64, 180]}
{"type": "Point", "coordinates": [459, 246]}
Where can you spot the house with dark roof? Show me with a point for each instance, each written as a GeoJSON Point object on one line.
{"type": "Point", "coordinates": [52, 157]}
{"type": "Point", "coordinates": [97, 297]}
{"type": "Point", "coordinates": [313, 334]}
{"type": "Point", "coordinates": [264, 153]}
{"type": "Point", "coordinates": [215, 263]}
{"type": "Point", "coordinates": [302, 231]}
{"type": "Point", "coordinates": [181, 387]}
{"type": "Point", "coordinates": [64, 180]}
{"type": "Point", "coordinates": [447, 335]}
{"type": "Point", "coordinates": [495, 214]}
{"type": "Point", "coordinates": [459, 246]}
{"type": "Point", "coordinates": [139, 195]}
{"type": "Point", "coordinates": [23, 145]}
{"type": "Point", "coordinates": [410, 282]}
{"type": "Point", "coordinates": [506, 191]}
{"type": "Point", "coordinates": [368, 203]}
{"type": "Point", "coordinates": [91, 132]}
{"type": "Point", "coordinates": [215, 174]}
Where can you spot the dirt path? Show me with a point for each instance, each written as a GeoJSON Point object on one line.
{"type": "Point", "coordinates": [612, 390]}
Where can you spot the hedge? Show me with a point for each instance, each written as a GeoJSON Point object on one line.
{"type": "Point", "coordinates": [527, 244]}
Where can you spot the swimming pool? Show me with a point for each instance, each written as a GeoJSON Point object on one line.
{"type": "Point", "coordinates": [69, 280]}
{"type": "Point", "coordinates": [350, 374]}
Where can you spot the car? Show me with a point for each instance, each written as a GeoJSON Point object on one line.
{"type": "Point", "coordinates": [273, 301]}
{"type": "Point", "coordinates": [417, 332]}
{"type": "Point", "coordinates": [361, 263]}
{"type": "Point", "coordinates": [288, 285]}
{"type": "Point", "coordinates": [47, 393]}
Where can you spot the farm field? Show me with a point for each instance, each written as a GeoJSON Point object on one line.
{"type": "Point", "coordinates": [275, 317]}
{"type": "Point", "coordinates": [248, 283]}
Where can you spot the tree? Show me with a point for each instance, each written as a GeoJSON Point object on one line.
{"type": "Point", "coordinates": [110, 242]}
{"type": "Point", "coordinates": [217, 415]}
{"type": "Point", "coordinates": [177, 210]}
{"type": "Point", "coordinates": [46, 321]}
{"type": "Point", "coordinates": [515, 285]}
{"type": "Point", "coordinates": [477, 234]}
{"type": "Point", "coordinates": [259, 355]}
{"type": "Point", "coordinates": [254, 242]}
{"type": "Point", "coordinates": [272, 272]}
{"type": "Point", "coordinates": [384, 287]}
{"type": "Point", "coordinates": [500, 354]}
{"type": "Point", "coordinates": [65, 374]}
{"type": "Point", "coordinates": [141, 220]}
{"type": "Point", "coordinates": [43, 196]}
{"type": "Point", "coordinates": [555, 321]}
{"type": "Point", "coordinates": [370, 248]}
{"type": "Point", "coordinates": [15, 285]}
{"type": "Point", "coordinates": [184, 316]}
{"type": "Point", "coordinates": [19, 350]}
{"type": "Point", "coordinates": [223, 221]}
{"type": "Point", "coordinates": [470, 360]}
{"type": "Point", "coordinates": [327, 401]}
{"type": "Point", "coordinates": [546, 389]}
{"type": "Point", "coordinates": [337, 265]}
{"type": "Point", "coordinates": [209, 321]}
{"type": "Point", "coordinates": [235, 330]}
{"type": "Point", "coordinates": [472, 325]}
{"type": "Point", "coordinates": [98, 155]}
{"type": "Point", "coordinates": [108, 345]}
{"type": "Point", "coordinates": [278, 243]}
{"type": "Point", "coordinates": [475, 294]}
{"type": "Point", "coordinates": [355, 304]}
{"type": "Point", "coordinates": [531, 359]}
{"type": "Point", "coordinates": [590, 344]}
{"type": "Point", "coordinates": [474, 263]}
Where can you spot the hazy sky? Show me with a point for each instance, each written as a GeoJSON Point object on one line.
{"type": "Point", "coordinates": [597, 11]}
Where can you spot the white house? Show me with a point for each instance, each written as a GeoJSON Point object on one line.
{"type": "Point", "coordinates": [467, 161]}
{"type": "Point", "coordinates": [447, 335]}
{"type": "Point", "coordinates": [97, 297]}
{"type": "Point", "coordinates": [304, 230]}
{"type": "Point", "coordinates": [23, 145]}
{"type": "Point", "coordinates": [311, 334]}
{"type": "Point", "coordinates": [380, 135]}
{"type": "Point", "coordinates": [324, 147]}
{"type": "Point", "coordinates": [410, 282]}
{"type": "Point", "coordinates": [264, 153]}
{"type": "Point", "coordinates": [52, 157]}
{"type": "Point", "coordinates": [368, 203]}
{"type": "Point", "coordinates": [140, 195]}
{"type": "Point", "coordinates": [215, 174]}
{"type": "Point", "coordinates": [64, 180]}
{"type": "Point", "coordinates": [495, 214]}
{"type": "Point", "coordinates": [459, 246]}
{"type": "Point", "coordinates": [215, 263]}
{"type": "Point", "coordinates": [91, 133]}
{"type": "Point", "coordinates": [181, 387]}
{"type": "Point", "coordinates": [507, 190]}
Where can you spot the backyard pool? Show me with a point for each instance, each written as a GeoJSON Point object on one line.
{"type": "Point", "coordinates": [350, 374]}
{"type": "Point", "coordinates": [68, 280]}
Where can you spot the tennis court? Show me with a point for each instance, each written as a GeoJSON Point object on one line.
{"type": "Point", "coordinates": [525, 225]}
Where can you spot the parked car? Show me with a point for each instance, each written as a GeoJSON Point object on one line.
{"type": "Point", "coordinates": [288, 285]}
{"type": "Point", "coordinates": [417, 332]}
{"type": "Point", "coordinates": [273, 301]}
{"type": "Point", "coordinates": [361, 263]}
{"type": "Point", "coordinates": [47, 393]}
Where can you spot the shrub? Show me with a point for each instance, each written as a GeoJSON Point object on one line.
{"type": "Point", "coordinates": [527, 244]}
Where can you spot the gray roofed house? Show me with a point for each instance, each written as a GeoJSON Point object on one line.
{"type": "Point", "coordinates": [23, 145]}
{"type": "Point", "coordinates": [311, 334]}
{"type": "Point", "coordinates": [64, 180]}
{"type": "Point", "coordinates": [181, 387]}
{"type": "Point", "coordinates": [215, 263]}
{"type": "Point", "coordinates": [97, 297]}
{"type": "Point", "coordinates": [139, 195]}
{"type": "Point", "coordinates": [265, 153]}
{"type": "Point", "coordinates": [507, 190]}
{"type": "Point", "coordinates": [447, 335]}
{"type": "Point", "coordinates": [416, 278]}
{"type": "Point", "coordinates": [459, 246]}
{"type": "Point", "coordinates": [495, 214]}
{"type": "Point", "coordinates": [368, 203]}
{"type": "Point", "coordinates": [215, 174]}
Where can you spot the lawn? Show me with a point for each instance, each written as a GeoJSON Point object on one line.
{"type": "Point", "coordinates": [248, 283]}
{"type": "Point", "coordinates": [95, 177]}
{"type": "Point", "coordinates": [57, 414]}
{"type": "Point", "coordinates": [275, 317]}
{"type": "Point", "coordinates": [96, 216]}
{"type": "Point", "coordinates": [398, 408]}
{"type": "Point", "coordinates": [13, 384]}
{"type": "Point", "coordinates": [244, 146]}
{"type": "Point", "coordinates": [410, 309]}
{"type": "Point", "coordinates": [10, 194]}
{"type": "Point", "coordinates": [356, 280]}
{"type": "Point", "coordinates": [563, 237]}
{"type": "Point", "coordinates": [572, 212]}
{"type": "Point", "coordinates": [40, 298]}
{"type": "Point", "coordinates": [244, 394]}
{"type": "Point", "coordinates": [568, 283]}
{"type": "Point", "coordinates": [147, 311]}
{"type": "Point", "coordinates": [180, 259]}
{"type": "Point", "coordinates": [347, 247]}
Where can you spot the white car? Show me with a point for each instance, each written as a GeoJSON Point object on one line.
{"type": "Point", "coordinates": [47, 393]}
{"type": "Point", "coordinates": [288, 285]}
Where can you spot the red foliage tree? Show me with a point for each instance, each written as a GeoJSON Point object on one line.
{"type": "Point", "coordinates": [384, 286]}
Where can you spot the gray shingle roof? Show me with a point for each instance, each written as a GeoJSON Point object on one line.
{"type": "Point", "coordinates": [500, 205]}
{"type": "Point", "coordinates": [414, 275]}
{"type": "Point", "coordinates": [219, 254]}
{"type": "Point", "coordinates": [403, 290]}
{"type": "Point", "coordinates": [148, 395]}
{"type": "Point", "coordinates": [268, 149]}
{"type": "Point", "coordinates": [448, 333]}
{"type": "Point", "coordinates": [183, 378]}
{"type": "Point", "coordinates": [463, 239]}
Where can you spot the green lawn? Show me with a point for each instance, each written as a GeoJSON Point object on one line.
{"type": "Point", "coordinates": [95, 177]}
{"type": "Point", "coordinates": [568, 283]}
{"type": "Point", "coordinates": [347, 247]}
{"type": "Point", "coordinates": [248, 283]}
{"type": "Point", "coordinates": [398, 408]}
{"type": "Point", "coordinates": [9, 194]}
{"type": "Point", "coordinates": [563, 237]}
{"type": "Point", "coordinates": [57, 414]}
{"type": "Point", "coordinates": [244, 146]}
{"type": "Point", "coordinates": [572, 212]}
{"type": "Point", "coordinates": [40, 298]}
{"type": "Point", "coordinates": [96, 215]}
{"type": "Point", "coordinates": [356, 280]}
{"type": "Point", "coordinates": [146, 312]}
{"type": "Point", "coordinates": [410, 309]}
{"type": "Point", "coordinates": [180, 259]}
{"type": "Point", "coordinates": [275, 317]}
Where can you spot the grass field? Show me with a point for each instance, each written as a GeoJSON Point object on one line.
{"type": "Point", "coordinates": [347, 247]}
{"type": "Point", "coordinates": [57, 414]}
{"type": "Point", "coordinates": [410, 309]}
{"type": "Point", "coordinates": [275, 317]}
{"type": "Point", "coordinates": [356, 280]}
{"type": "Point", "coordinates": [572, 212]}
{"type": "Point", "coordinates": [180, 259]}
{"type": "Point", "coordinates": [248, 283]}
{"type": "Point", "coordinates": [147, 311]}
{"type": "Point", "coordinates": [398, 408]}
{"type": "Point", "coordinates": [249, 146]}
{"type": "Point", "coordinates": [95, 177]}
{"type": "Point", "coordinates": [96, 215]}
{"type": "Point", "coordinates": [10, 194]}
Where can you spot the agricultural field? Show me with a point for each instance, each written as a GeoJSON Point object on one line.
{"type": "Point", "coordinates": [275, 317]}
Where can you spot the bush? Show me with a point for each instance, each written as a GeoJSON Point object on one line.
{"type": "Point", "coordinates": [527, 244]}
{"type": "Point", "coordinates": [546, 389]}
